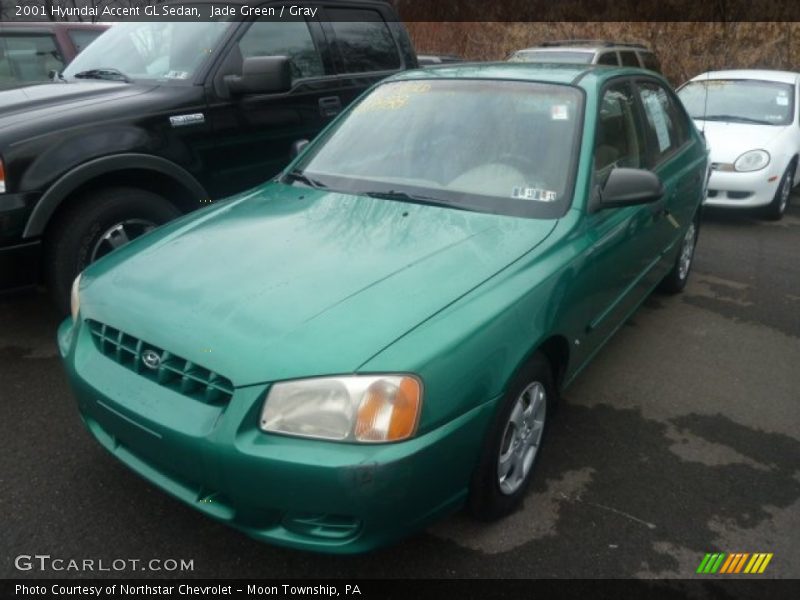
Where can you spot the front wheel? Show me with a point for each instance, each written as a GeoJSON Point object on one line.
{"type": "Point", "coordinates": [512, 448]}
{"type": "Point", "coordinates": [93, 226]}
{"type": "Point", "coordinates": [777, 207]}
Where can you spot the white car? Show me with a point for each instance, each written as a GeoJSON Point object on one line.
{"type": "Point", "coordinates": [750, 120]}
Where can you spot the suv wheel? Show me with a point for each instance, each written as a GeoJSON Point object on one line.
{"type": "Point", "coordinates": [93, 226]}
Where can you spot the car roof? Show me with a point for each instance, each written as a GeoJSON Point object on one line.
{"type": "Point", "coordinates": [559, 73]}
{"type": "Point", "coordinates": [760, 74]}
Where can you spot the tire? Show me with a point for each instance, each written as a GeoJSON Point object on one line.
{"type": "Point", "coordinates": [676, 279]}
{"type": "Point", "coordinates": [497, 490]}
{"type": "Point", "coordinates": [775, 209]}
{"type": "Point", "coordinates": [92, 226]}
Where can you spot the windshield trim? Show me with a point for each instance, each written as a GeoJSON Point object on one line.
{"type": "Point", "coordinates": [478, 203]}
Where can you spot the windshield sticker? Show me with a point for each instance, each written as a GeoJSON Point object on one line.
{"type": "Point", "coordinates": [774, 117]}
{"type": "Point", "coordinates": [782, 100]}
{"type": "Point", "coordinates": [531, 193]}
{"type": "Point", "coordinates": [177, 75]}
{"type": "Point", "coordinates": [559, 112]}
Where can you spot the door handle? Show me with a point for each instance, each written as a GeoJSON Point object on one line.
{"type": "Point", "coordinates": [330, 106]}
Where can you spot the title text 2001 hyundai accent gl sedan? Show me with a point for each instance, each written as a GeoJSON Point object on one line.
{"type": "Point", "coordinates": [377, 337]}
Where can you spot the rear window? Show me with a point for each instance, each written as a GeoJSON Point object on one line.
{"type": "Point", "coordinates": [28, 58]}
{"type": "Point", "coordinates": [629, 58]}
{"type": "Point", "coordinates": [363, 40]}
{"type": "Point", "coordinates": [650, 61]}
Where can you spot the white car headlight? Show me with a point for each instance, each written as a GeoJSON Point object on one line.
{"type": "Point", "coordinates": [752, 160]}
{"type": "Point", "coordinates": [75, 298]}
{"type": "Point", "coordinates": [361, 408]}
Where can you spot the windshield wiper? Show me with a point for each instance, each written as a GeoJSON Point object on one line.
{"type": "Point", "coordinates": [298, 175]}
{"type": "Point", "coordinates": [406, 197]}
{"type": "Point", "coordinates": [734, 118]}
{"type": "Point", "coordinates": [108, 73]}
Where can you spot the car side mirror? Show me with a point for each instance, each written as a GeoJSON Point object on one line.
{"type": "Point", "coordinates": [297, 148]}
{"type": "Point", "coordinates": [628, 187]}
{"type": "Point", "coordinates": [262, 75]}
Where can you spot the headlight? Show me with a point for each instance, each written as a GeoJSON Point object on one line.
{"type": "Point", "coordinates": [75, 298]}
{"type": "Point", "coordinates": [752, 161]}
{"type": "Point", "coordinates": [368, 408]}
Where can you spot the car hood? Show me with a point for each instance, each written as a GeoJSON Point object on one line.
{"type": "Point", "coordinates": [728, 141]}
{"type": "Point", "coordinates": [44, 101]}
{"type": "Point", "coordinates": [289, 282]}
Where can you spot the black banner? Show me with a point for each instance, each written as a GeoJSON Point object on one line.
{"type": "Point", "coordinates": [369, 589]}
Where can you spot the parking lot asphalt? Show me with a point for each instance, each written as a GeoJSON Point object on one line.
{"type": "Point", "coordinates": [681, 438]}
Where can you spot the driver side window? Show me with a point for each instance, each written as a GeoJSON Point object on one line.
{"type": "Point", "coordinates": [618, 141]}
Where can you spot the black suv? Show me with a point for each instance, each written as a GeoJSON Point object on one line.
{"type": "Point", "coordinates": [156, 118]}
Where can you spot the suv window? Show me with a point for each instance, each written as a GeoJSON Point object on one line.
{"type": "Point", "coordinates": [28, 58]}
{"type": "Point", "coordinates": [284, 38]}
{"type": "Point", "coordinates": [364, 40]}
{"type": "Point", "coordinates": [608, 58]}
{"type": "Point", "coordinates": [650, 61]}
{"type": "Point", "coordinates": [629, 58]}
{"type": "Point", "coordinates": [665, 122]}
{"type": "Point", "coordinates": [82, 38]}
{"type": "Point", "coordinates": [619, 141]}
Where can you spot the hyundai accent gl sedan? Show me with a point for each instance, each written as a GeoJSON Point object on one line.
{"type": "Point", "coordinates": [378, 336]}
{"type": "Point", "coordinates": [750, 119]}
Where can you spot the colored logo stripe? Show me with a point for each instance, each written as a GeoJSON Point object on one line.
{"type": "Point", "coordinates": [734, 563]}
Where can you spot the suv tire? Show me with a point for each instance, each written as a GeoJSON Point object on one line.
{"type": "Point", "coordinates": [92, 226]}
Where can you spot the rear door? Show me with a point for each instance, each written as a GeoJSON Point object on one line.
{"type": "Point", "coordinates": [670, 157]}
{"type": "Point", "coordinates": [365, 48]}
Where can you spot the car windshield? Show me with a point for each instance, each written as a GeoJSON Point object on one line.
{"type": "Point", "coordinates": [739, 100]}
{"type": "Point", "coordinates": [546, 56]}
{"type": "Point", "coordinates": [505, 147]}
{"type": "Point", "coordinates": [165, 51]}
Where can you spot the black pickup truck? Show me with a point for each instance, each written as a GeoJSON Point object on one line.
{"type": "Point", "coordinates": [155, 119]}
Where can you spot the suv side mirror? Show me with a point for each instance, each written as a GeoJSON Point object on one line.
{"type": "Point", "coordinates": [627, 187]}
{"type": "Point", "coordinates": [262, 75]}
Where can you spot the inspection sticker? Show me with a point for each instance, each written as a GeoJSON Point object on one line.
{"type": "Point", "coordinates": [782, 99]}
{"type": "Point", "coordinates": [559, 112]}
{"type": "Point", "coordinates": [530, 193]}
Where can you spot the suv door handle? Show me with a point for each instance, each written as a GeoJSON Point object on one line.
{"type": "Point", "coordinates": [330, 106]}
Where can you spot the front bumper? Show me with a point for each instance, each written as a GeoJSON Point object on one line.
{"type": "Point", "coordinates": [307, 494]}
{"type": "Point", "coordinates": [732, 189]}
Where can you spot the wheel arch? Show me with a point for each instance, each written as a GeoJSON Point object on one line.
{"type": "Point", "coordinates": [153, 173]}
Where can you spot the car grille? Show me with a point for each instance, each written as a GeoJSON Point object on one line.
{"type": "Point", "coordinates": [173, 372]}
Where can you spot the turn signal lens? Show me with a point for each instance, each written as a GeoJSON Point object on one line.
{"type": "Point", "coordinates": [2, 177]}
{"type": "Point", "coordinates": [388, 411]}
{"type": "Point", "coordinates": [75, 298]}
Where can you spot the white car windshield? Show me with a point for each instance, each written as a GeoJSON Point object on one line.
{"type": "Point", "coordinates": [165, 51]}
{"type": "Point", "coordinates": [739, 100]}
{"type": "Point", "coordinates": [488, 145]}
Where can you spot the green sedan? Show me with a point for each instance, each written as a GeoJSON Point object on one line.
{"type": "Point", "coordinates": [378, 336]}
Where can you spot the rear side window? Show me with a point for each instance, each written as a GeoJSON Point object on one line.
{"type": "Point", "coordinates": [666, 123]}
{"type": "Point", "coordinates": [363, 40]}
{"type": "Point", "coordinates": [82, 38]}
{"type": "Point", "coordinates": [608, 58]}
{"type": "Point", "coordinates": [28, 58]}
{"type": "Point", "coordinates": [284, 38]}
{"type": "Point", "coordinates": [650, 61]}
{"type": "Point", "coordinates": [629, 58]}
